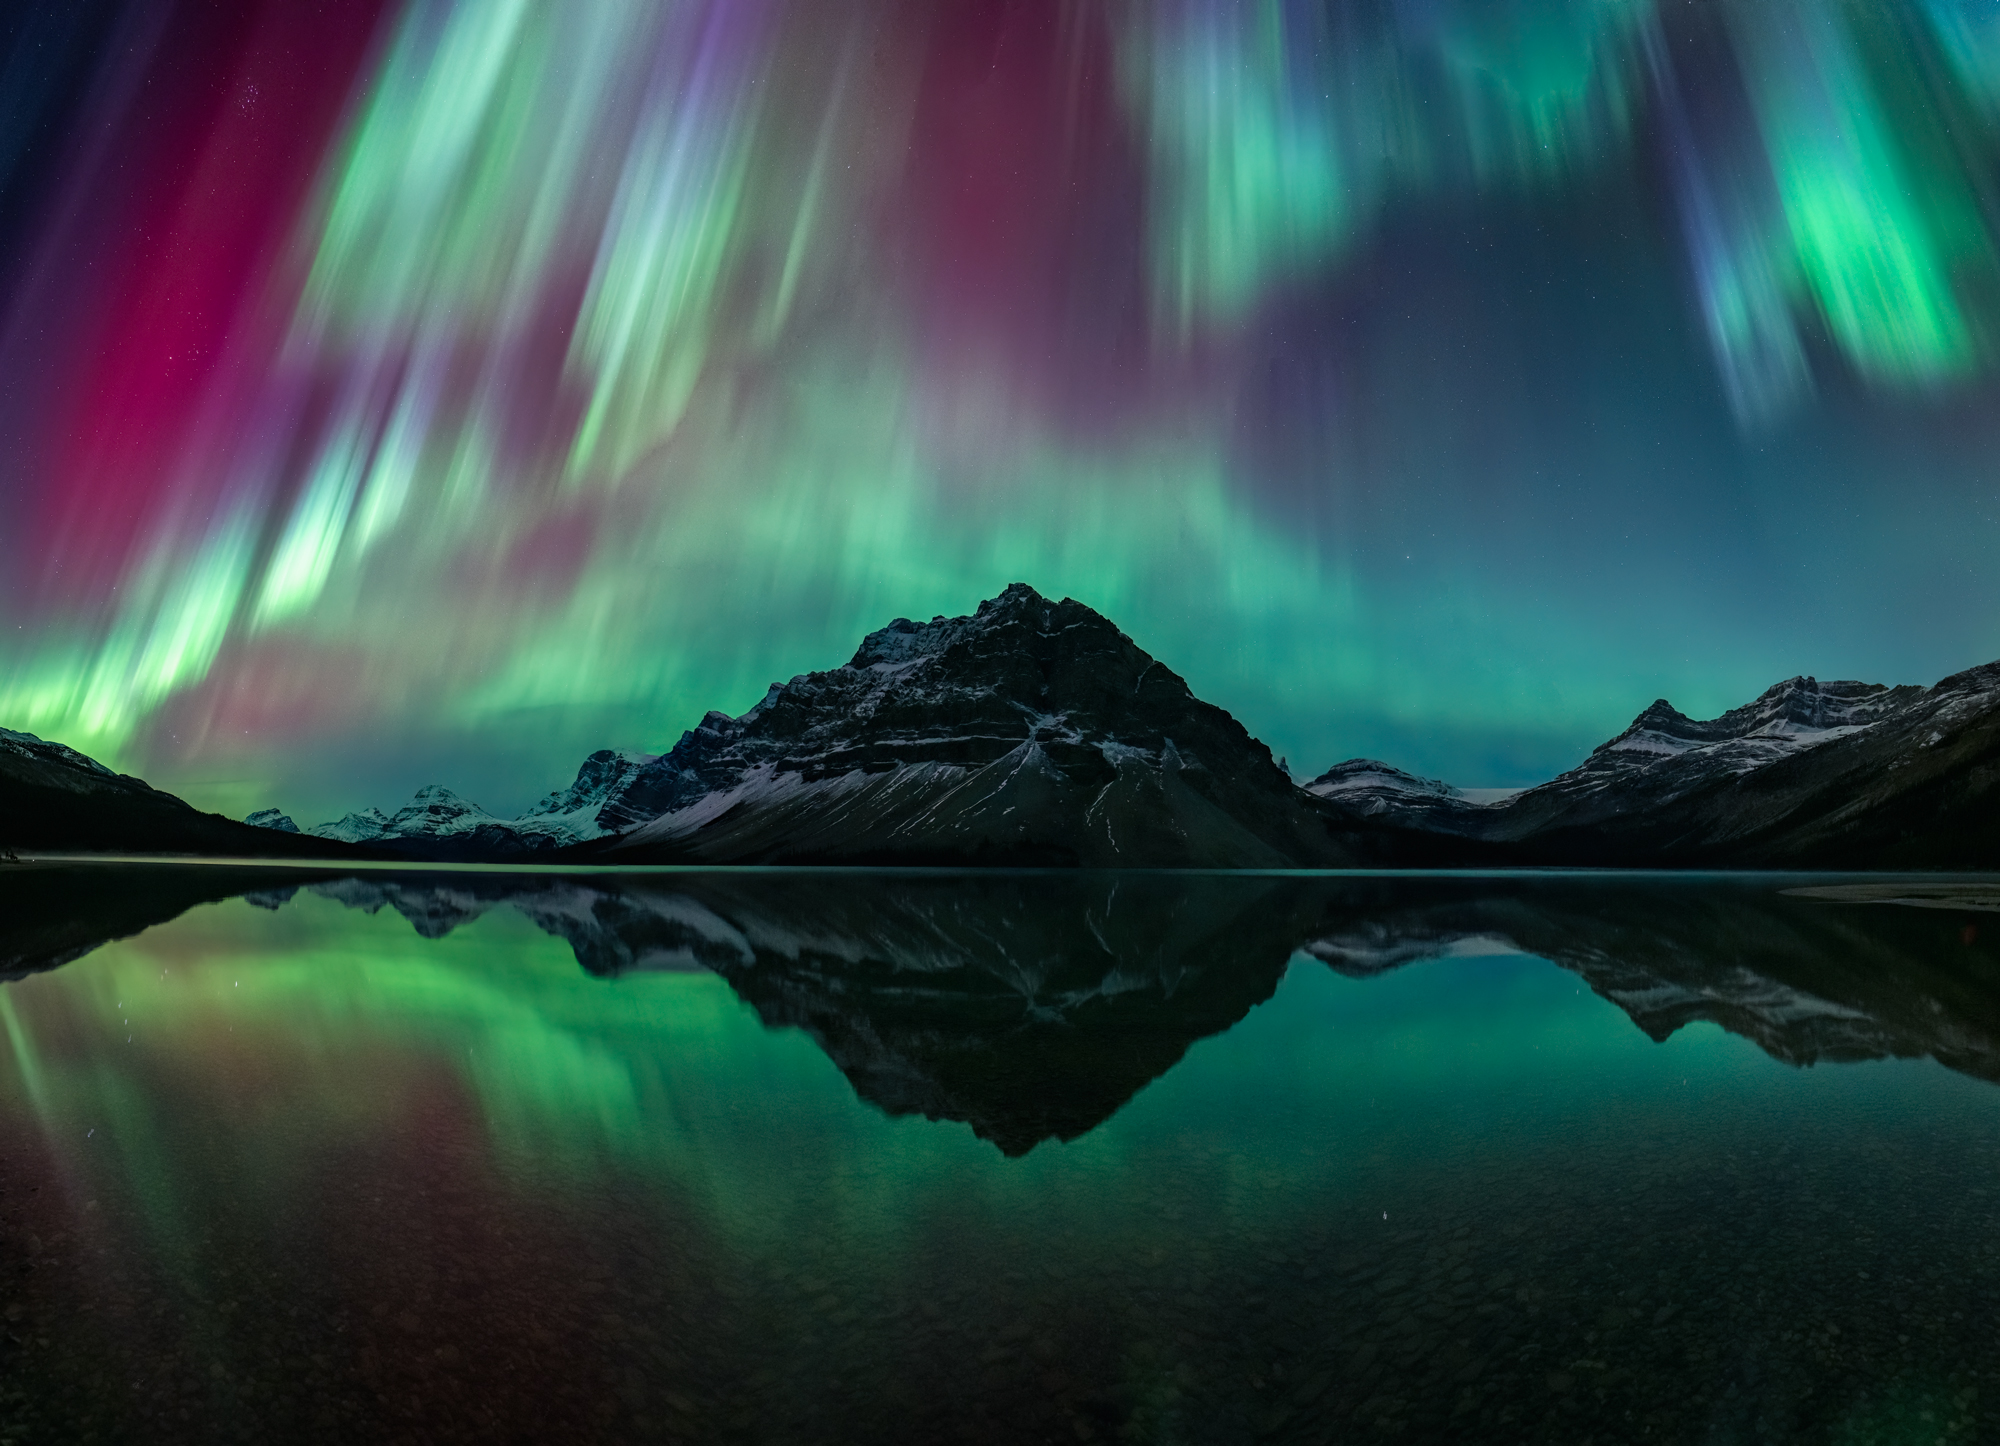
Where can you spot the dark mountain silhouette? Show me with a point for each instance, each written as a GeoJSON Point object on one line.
{"type": "Point", "coordinates": [1029, 733]}
{"type": "Point", "coordinates": [1032, 1006]}
{"type": "Point", "coordinates": [1034, 733]}
{"type": "Point", "coordinates": [54, 799]}
{"type": "Point", "coordinates": [1809, 776]}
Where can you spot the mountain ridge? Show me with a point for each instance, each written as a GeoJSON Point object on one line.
{"type": "Point", "coordinates": [1035, 733]}
{"type": "Point", "coordinates": [1034, 1007]}
{"type": "Point", "coordinates": [1807, 775]}
{"type": "Point", "coordinates": [1029, 732]}
{"type": "Point", "coordinates": [55, 799]}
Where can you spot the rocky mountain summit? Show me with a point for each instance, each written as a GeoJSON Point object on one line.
{"type": "Point", "coordinates": [1665, 755]}
{"type": "Point", "coordinates": [1031, 732]}
{"type": "Point", "coordinates": [1368, 789]}
{"type": "Point", "coordinates": [438, 824]}
{"type": "Point", "coordinates": [1808, 775]}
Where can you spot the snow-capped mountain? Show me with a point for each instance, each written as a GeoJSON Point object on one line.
{"type": "Point", "coordinates": [1030, 732]}
{"type": "Point", "coordinates": [363, 827]}
{"type": "Point", "coordinates": [437, 823]}
{"type": "Point", "coordinates": [606, 798]}
{"type": "Point", "coordinates": [29, 749]}
{"type": "Point", "coordinates": [1665, 755]}
{"type": "Point", "coordinates": [1034, 732]}
{"type": "Point", "coordinates": [435, 815]}
{"type": "Point", "coordinates": [1374, 786]}
{"type": "Point", "coordinates": [1365, 788]}
{"type": "Point", "coordinates": [56, 799]}
{"type": "Point", "coordinates": [1809, 774]}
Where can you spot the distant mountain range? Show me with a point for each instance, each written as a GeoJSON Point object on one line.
{"type": "Point", "coordinates": [1810, 775]}
{"type": "Point", "coordinates": [1035, 733]}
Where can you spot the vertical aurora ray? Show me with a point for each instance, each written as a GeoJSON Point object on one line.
{"type": "Point", "coordinates": [1281, 128]}
{"type": "Point", "coordinates": [1546, 87]}
{"type": "Point", "coordinates": [642, 341]}
{"type": "Point", "coordinates": [1257, 181]}
{"type": "Point", "coordinates": [1868, 252]}
{"type": "Point", "coordinates": [1734, 230]}
{"type": "Point", "coordinates": [1969, 33]}
{"type": "Point", "coordinates": [491, 381]}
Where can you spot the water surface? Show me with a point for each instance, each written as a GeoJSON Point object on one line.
{"type": "Point", "coordinates": [856, 1157]}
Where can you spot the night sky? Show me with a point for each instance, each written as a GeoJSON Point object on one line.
{"type": "Point", "coordinates": [438, 390]}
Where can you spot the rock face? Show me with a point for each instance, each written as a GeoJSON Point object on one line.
{"type": "Point", "coordinates": [438, 824]}
{"type": "Point", "coordinates": [1364, 788]}
{"type": "Point", "coordinates": [1665, 756]}
{"type": "Point", "coordinates": [56, 799]}
{"type": "Point", "coordinates": [606, 798]}
{"type": "Point", "coordinates": [1032, 732]}
{"type": "Point", "coordinates": [1810, 775]}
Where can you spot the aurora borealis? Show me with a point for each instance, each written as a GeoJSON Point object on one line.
{"type": "Point", "coordinates": [436, 390]}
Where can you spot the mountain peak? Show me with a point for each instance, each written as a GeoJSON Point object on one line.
{"type": "Point", "coordinates": [438, 807]}
{"type": "Point", "coordinates": [362, 826]}
{"type": "Point", "coordinates": [28, 745]}
{"type": "Point", "coordinates": [1018, 607]}
{"type": "Point", "coordinates": [1015, 595]}
{"type": "Point", "coordinates": [1372, 775]}
{"type": "Point", "coordinates": [1780, 778]}
{"type": "Point", "coordinates": [1659, 713]}
{"type": "Point", "coordinates": [1800, 705]}
{"type": "Point", "coordinates": [1029, 730]}
{"type": "Point", "coordinates": [1983, 679]}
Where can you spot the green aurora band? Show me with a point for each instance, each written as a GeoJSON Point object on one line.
{"type": "Point", "coordinates": [1438, 380]}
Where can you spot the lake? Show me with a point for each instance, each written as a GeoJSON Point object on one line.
{"type": "Point", "coordinates": [842, 1157]}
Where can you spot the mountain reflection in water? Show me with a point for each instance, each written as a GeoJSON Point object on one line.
{"type": "Point", "coordinates": [1033, 1005]}
{"type": "Point", "coordinates": [290, 1169]}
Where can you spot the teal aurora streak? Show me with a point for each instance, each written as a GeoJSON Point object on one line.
{"type": "Point", "coordinates": [438, 392]}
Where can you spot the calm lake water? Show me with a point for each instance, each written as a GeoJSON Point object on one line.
{"type": "Point", "coordinates": [856, 1157]}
